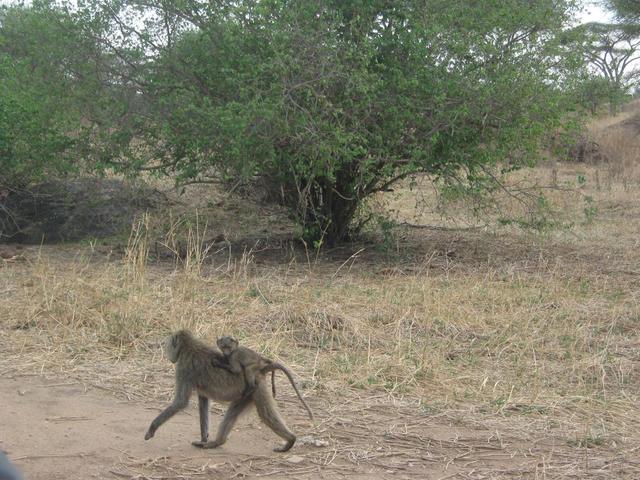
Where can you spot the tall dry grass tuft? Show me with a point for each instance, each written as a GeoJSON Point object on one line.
{"type": "Point", "coordinates": [137, 250]}
{"type": "Point", "coordinates": [186, 239]}
{"type": "Point", "coordinates": [197, 249]}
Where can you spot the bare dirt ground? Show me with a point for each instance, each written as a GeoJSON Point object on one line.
{"type": "Point", "coordinates": [61, 429]}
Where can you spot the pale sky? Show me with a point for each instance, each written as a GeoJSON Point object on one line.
{"type": "Point", "coordinates": [592, 13]}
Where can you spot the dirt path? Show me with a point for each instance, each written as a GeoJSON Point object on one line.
{"type": "Point", "coordinates": [60, 430]}
{"type": "Point", "coordinates": [57, 429]}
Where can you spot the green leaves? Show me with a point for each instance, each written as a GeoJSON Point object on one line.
{"type": "Point", "coordinates": [32, 135]}
{"type": "Point", "coordinates": [323, 103]}
{"type": "Point", "coordinates": [333, 101]}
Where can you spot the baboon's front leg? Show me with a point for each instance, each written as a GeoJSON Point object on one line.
{"type": "Point", "coordinates": [180, 402]}
{"type": "Point", "coordinates": [203, 408]}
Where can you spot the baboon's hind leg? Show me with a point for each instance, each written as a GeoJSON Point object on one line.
{"type": "Point", "coordinates": [269, 414]}
{"type": "Point", "coordinates": [203, 408]}
{"type": "Point", "coordinates": [227, 423]}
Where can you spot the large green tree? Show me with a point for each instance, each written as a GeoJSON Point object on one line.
{"type": "Point", "coordinates": [321, 102]}
{"type": "Point", "coordinates": [327, 102]}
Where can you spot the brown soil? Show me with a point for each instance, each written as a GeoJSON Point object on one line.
{"type": "Point", "coordinates": [61, 429]}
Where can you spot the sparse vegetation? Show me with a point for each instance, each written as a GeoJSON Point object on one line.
{"type": "Point", "coordinates": [485, 324]}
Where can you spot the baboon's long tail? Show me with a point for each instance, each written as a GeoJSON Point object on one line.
{"type": "Point", "coordinates": [278, 366]}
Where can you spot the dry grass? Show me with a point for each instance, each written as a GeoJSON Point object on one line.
{"type": "Point", "coordinates": [618, 141]}
{"type": "Point", "coordinates": [499, 324]}
{"type": "Point", "coordinates": [493, 331]}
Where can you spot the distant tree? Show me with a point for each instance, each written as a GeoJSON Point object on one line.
{"type": "Point", "coordinates": [612, 50]}
{"type": "Point", "coordinates": [326, 103]}
{"type": "Point", "coordinates": [593, 91]}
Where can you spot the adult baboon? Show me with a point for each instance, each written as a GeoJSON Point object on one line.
{"type": "Point", "coordinates": [251, 364]}
{"type": "Point", "coordinates": [198, 367]}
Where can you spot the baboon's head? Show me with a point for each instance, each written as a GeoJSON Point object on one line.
{"type": "Point", "coordinates": [227, 344]}
{"type": "Point", "coordinates": [173, 344]}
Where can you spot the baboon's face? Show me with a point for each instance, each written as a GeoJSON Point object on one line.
{"type": "Point", "coordinates": [227, 344]}
{"type": "Point", "coordinates": [171, 348]}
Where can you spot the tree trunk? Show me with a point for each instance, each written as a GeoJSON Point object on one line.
{"type": "Point", "coordinates": [329, 221]}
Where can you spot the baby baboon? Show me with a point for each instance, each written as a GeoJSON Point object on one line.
{"type": "Point", "coordinates": [197, 368]}
{"type": "Point", "coordinates": [243, 360]}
